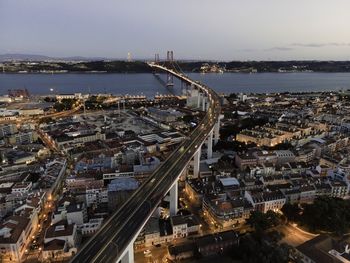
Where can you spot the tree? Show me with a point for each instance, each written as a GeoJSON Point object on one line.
{"type": "Point", "coordinates": [188, 118]}
{"type": "Point", "coordinates": [327, 214]}
{"type": "Point", "coordinates": [273, 218]}
{"type": "Point", "coordinates": [261, 222]}
{"type": "Point", "coordinates": [49, 99]}
{"type": "Point", "coordinates": [58, 107]}
{"type": "Point", "coordinates": [291, 211]}
{"type": "Point", "coordinates": [64, 104]}
{"type": "Point", "coordinates": [253, 250]}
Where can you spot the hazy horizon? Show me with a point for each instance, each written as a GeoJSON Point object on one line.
{"type": "Point", "coordinates": [222, 30]}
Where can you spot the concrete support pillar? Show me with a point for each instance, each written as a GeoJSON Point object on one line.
{"type": "Point", "coordinates": [204, 103]}
{"type": "Point", "coordinates": [217, 132]}
{"type": "Point", "coordinates": [174, 195]}
{"type": "Point", "coordinates": [129, 255]}
{"type": "Point", "coordinates": [210, 145]}
{"type": "Point", "coordinates": [196, 161]}
{"type": "Point", "coordinates": [199, 100]}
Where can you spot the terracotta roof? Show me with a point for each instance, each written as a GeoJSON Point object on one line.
{"type": "Point", "coordinates": [60, 229]}
{"type": "Point", "coordinates": [55, 244]}
{"type": "Point", "coordinates": [12, 228]}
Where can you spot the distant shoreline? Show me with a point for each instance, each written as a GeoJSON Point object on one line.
{"type": "Point", "coordinates": [100, 67]}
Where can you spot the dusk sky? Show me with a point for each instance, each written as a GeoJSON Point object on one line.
{"type": "Point", "coordinates": [194, 29]}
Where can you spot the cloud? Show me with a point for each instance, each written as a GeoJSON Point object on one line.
{"type": "Point", "coordinates": [267, 49]}
{"type": "Point", "coordinates": [249, 50]}
{"type": "Point", "coordinates": [319, 45]}
{"type": "Point", "coordinates": [279, 49]}
{"type": "Point", "coordinates": [294, 46]}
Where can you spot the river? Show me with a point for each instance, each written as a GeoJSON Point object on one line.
{"type": "Point", "coordinates": [148, 85]}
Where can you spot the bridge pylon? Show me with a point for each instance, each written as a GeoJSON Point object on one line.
{"type": "Point", "coordinates": [156, 58]}
{"type": "Point", "coordinates": [156, 61]}
{"type": "Point", "coordinates": [170, 80]}
{"type": "Point", "coordinates": [170, 61]}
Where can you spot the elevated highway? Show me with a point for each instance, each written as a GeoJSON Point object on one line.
{"type": "Point", "coordinates": [114, 241]}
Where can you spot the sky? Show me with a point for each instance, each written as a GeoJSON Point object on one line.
{"type": "Point", "coordinates": [193, 29]}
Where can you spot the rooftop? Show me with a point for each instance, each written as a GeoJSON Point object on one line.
{"type": "Point", "coordinates": [60, 229]}
{"type": "Point", "coordinates": [12, 228]}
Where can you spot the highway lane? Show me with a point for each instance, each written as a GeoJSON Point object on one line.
{"type": "Point", "coordinates": [138, 195]}
{"type": "Point", "coordinates": [138, 219]}
{"type": "Point", "coordinates": [108, 244]}
{"type": "Point", "coordinates": [157, 195]}
{"type": "Point", "coordinates": [160, 171]}
{"type": "Point", "coordinates": [136, 200]}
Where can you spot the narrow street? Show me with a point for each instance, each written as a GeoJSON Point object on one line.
{"type": "Point", "coordinates": [293, 235]}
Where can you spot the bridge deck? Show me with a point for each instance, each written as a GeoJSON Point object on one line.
{"type": "Point", "coordinates": [110, 242]}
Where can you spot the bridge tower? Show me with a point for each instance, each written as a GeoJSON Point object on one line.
{"type": "Point", "coordinates": [170, 60]}
{"type": "Point", "coordinates": [156, 60]}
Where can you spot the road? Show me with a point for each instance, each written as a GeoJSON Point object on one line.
{"type": "Point", "coordinates": [156, 255]}
{"type": "Point", "coordinates": [44, 138]}
{"type": "Point", "coordinates": [294, 236]}
{"type": "Point", "coordinates": [39, 234]}
{"type": "Point", "coordinates": [36, 118]}
{"type": "Point", "coordinates": [118, 232]}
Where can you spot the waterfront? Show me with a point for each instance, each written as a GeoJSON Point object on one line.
{"type": "Point", "coordinates": [148, 85]}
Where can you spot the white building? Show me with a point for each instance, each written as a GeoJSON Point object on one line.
{"type": "Point", "coordinates": [96, 196]}
{"type": "Point", "coordinates": [57, 250]}
{"type": "Point", "coordinates": [91, 227]}
{"type": "Point", "coordinates": [62, 230]}
{"type": "Point", "coordinates": [15, 232]}
{"type": "Point", "coordinates": [154, 235]}
{"type": "Point", "coordinates": [267, 200]}
{"type": "Point", "coordinates": [71, 211]}
{"type": "Point", "coordinates": [184, 226]}
{"type": "Point", "coordinates": [60, 97]}
{"type": "Point", "coordinates": [22, 188]}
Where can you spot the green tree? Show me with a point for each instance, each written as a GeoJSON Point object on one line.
{"type": "Point", "coordinates": [64, 104]}
{"type": "Point", "coordinates": [261, 222]}
{"type": "Point", "coordinates": [188, 118]}
{"type": "Point", "coordinates": [255, 250]}
{"type": "Point", "coordinates": [291, 211]}
{"type": "Point", "coordinates": [327, 214]}
{"type": "Point", "coordinates": [58, 107]}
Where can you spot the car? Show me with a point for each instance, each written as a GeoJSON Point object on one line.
{"type": "Point", "coordinates": [146, 252]}
{"type": "Point", "coordinates": [158, 245]}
